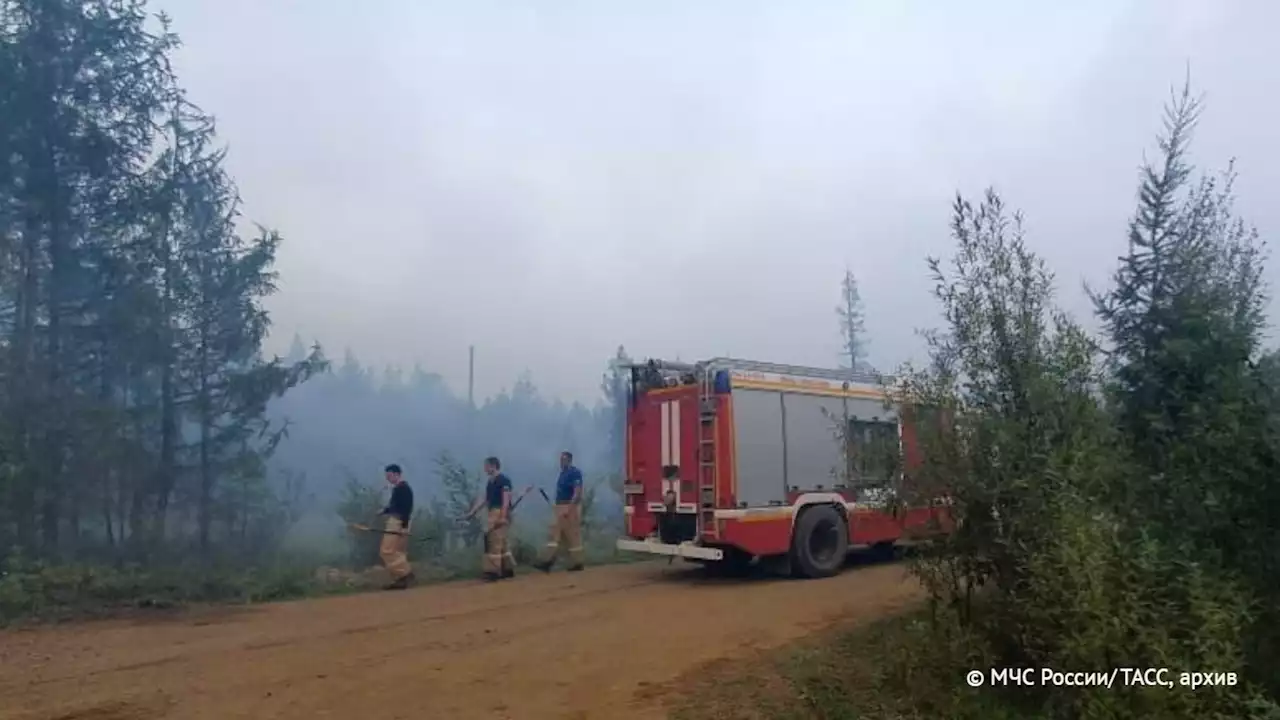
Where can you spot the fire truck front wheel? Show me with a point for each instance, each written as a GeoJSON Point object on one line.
{"type": "Point", "coordinates": [819, 542]}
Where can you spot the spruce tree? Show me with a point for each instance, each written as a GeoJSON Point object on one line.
{"type": "Point", "coordinates": [852, 323]}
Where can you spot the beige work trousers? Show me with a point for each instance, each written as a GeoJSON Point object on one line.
{"type": "Point", "coordinates": [565, 534]}
{"type": "Point", "coordinates": [394, 548]}
{"type": "Point", "coordinates": [497, 551]}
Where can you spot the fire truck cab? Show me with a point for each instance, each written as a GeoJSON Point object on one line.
{"type": "Point", "coordinates": [732, 460]}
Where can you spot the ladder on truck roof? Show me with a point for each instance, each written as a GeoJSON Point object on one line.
{"type": "Point", "coordinates": [708, 471]}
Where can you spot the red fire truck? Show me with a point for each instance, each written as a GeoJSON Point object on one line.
{"type": "Point", "coordinates": [730, 461]}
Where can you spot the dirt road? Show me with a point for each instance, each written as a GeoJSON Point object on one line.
{"type": "Point", "coordinates": [609, 643]}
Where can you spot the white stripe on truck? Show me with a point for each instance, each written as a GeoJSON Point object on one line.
{"type": "Point", "coordinates": [665, 411]}
{"type": "Point", "coordinates": [675, 433]}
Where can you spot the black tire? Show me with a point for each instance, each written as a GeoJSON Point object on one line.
{"type": "Point", "coordinates": [819, 542]}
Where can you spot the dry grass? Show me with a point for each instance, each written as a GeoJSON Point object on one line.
{"type": "Point", "coordinates": [886, 670]}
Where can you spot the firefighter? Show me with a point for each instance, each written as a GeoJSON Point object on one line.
{"type": "Point", "coordinates": [499, 563]}
{"type": "Point", "coordinates": [566, 523]}
{"type": "Point", "coordinates": [395, 539]}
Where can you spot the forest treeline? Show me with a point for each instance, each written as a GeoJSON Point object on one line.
{"type": "Point", "coordinates": [142, 425]}
{"type": "Point", "coordinates": [133, 386]}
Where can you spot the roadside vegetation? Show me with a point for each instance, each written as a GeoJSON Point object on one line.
{"type": "Point", "coordinates": [43, 591]}
{"type": "Point", "coordinates": [1118, 496]}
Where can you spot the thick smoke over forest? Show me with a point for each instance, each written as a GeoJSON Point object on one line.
{"type": "Point", "coordinates": [347, 423]}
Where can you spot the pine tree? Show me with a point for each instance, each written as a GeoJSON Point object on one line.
{"type": "Point", "coordinates": [297, 351]}
{"type": "Point", "coordinates": [852, 316]}
{"type": "Point", "coordinates": [82, 83]}
{"type": "Point", "coordinates": [1193, 396]}
{"type": "Point", "coordinates": [130, 307]}
{"type": "Point", "coordinates": [614, 389]}
{"type": "Point", "coordinates": [461, 488]}
{"type": "Point", "coordinates": [1185, 319]}
{"type": "Point", "coordinates": [226, 278]}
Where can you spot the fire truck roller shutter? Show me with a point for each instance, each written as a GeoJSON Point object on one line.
{"type": "Point", "coordinates": [761, 451]}
{"type": "Point", "coordinates": [814, 457]}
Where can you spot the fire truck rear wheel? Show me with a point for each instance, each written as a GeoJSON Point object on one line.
{"type": "Point", "coordinates": [819, 543]}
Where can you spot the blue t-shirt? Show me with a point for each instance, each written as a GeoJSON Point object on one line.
{"type": "Point", "coordinates": [570, 479]}
{"type": "Point", "coordinates": [493, 490]}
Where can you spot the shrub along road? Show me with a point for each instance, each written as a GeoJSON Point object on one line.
{"type": "Point", "coordinates": [613, 642]}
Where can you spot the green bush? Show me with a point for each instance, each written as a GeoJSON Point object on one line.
{"type": "Point", "coordinates": [1115, 509]}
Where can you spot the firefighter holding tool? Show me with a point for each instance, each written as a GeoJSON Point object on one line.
{"type": "Point", "coordinates": [395, 538]}
{"type": "Point", "coordinates": [566, 523]}
{"type": "Point", "coordinates": [499, 563]}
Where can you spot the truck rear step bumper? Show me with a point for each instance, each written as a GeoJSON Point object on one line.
{"type": "Point", "coordinates": [684, 550]}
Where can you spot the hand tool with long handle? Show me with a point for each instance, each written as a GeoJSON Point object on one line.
{"type": "Point", "coordinates": [516, 503]}
{"type": "Point", "coordinates": [366, 528]}
{"type": "Point", "coordinates": [522, 495]}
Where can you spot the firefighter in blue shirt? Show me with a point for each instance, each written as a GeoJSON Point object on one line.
{"type": "Point", "coordinates": [566, 525]}
{"type": "Point", "coordinates": [499, 563]}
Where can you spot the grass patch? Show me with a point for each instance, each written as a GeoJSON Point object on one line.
{"type": "Point", "coordinates": [893, 669]}
{"type": "Point", "coordinates": [40, 592]}
{"type": "Point", "coordinates": [901, 667]}
{"type": "Point", "coordinates": [54, 592]}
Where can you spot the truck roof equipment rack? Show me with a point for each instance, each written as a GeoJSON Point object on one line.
{"type": "Point", "coordinates": [666, 373]}
{"type": "Point", "coordinates": [841, 374]}
{"type": "Point", "coordinates": [728, 363]}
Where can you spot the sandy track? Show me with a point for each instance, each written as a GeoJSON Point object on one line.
{"type": "Point", "coordinates": [608, 643]}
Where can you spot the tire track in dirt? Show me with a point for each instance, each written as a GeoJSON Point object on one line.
{"type": "Point", "coordinates": [608, 643]}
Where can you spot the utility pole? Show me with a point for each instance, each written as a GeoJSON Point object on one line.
{"type": "Point", "coordinates": [471, 398]}
{"type": "Point", "coordinates": [469, 446]}
{"type": "Point", "coordinates": [471, 378]}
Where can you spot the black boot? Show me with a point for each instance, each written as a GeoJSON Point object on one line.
{"type": "Point", "coordinates": [575, 568]}
{"type": "Point", "coordinates": [397, 584]}
{"type": "Point", "coordinates": [490, 577]}
{"type": "Point", "coordinates": [508, 573]}
{"type": "Point", "coordinates": [543, 566]}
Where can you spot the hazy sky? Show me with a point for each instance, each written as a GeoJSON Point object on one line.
{"type": "Point", "coordinates": [548, 180]}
